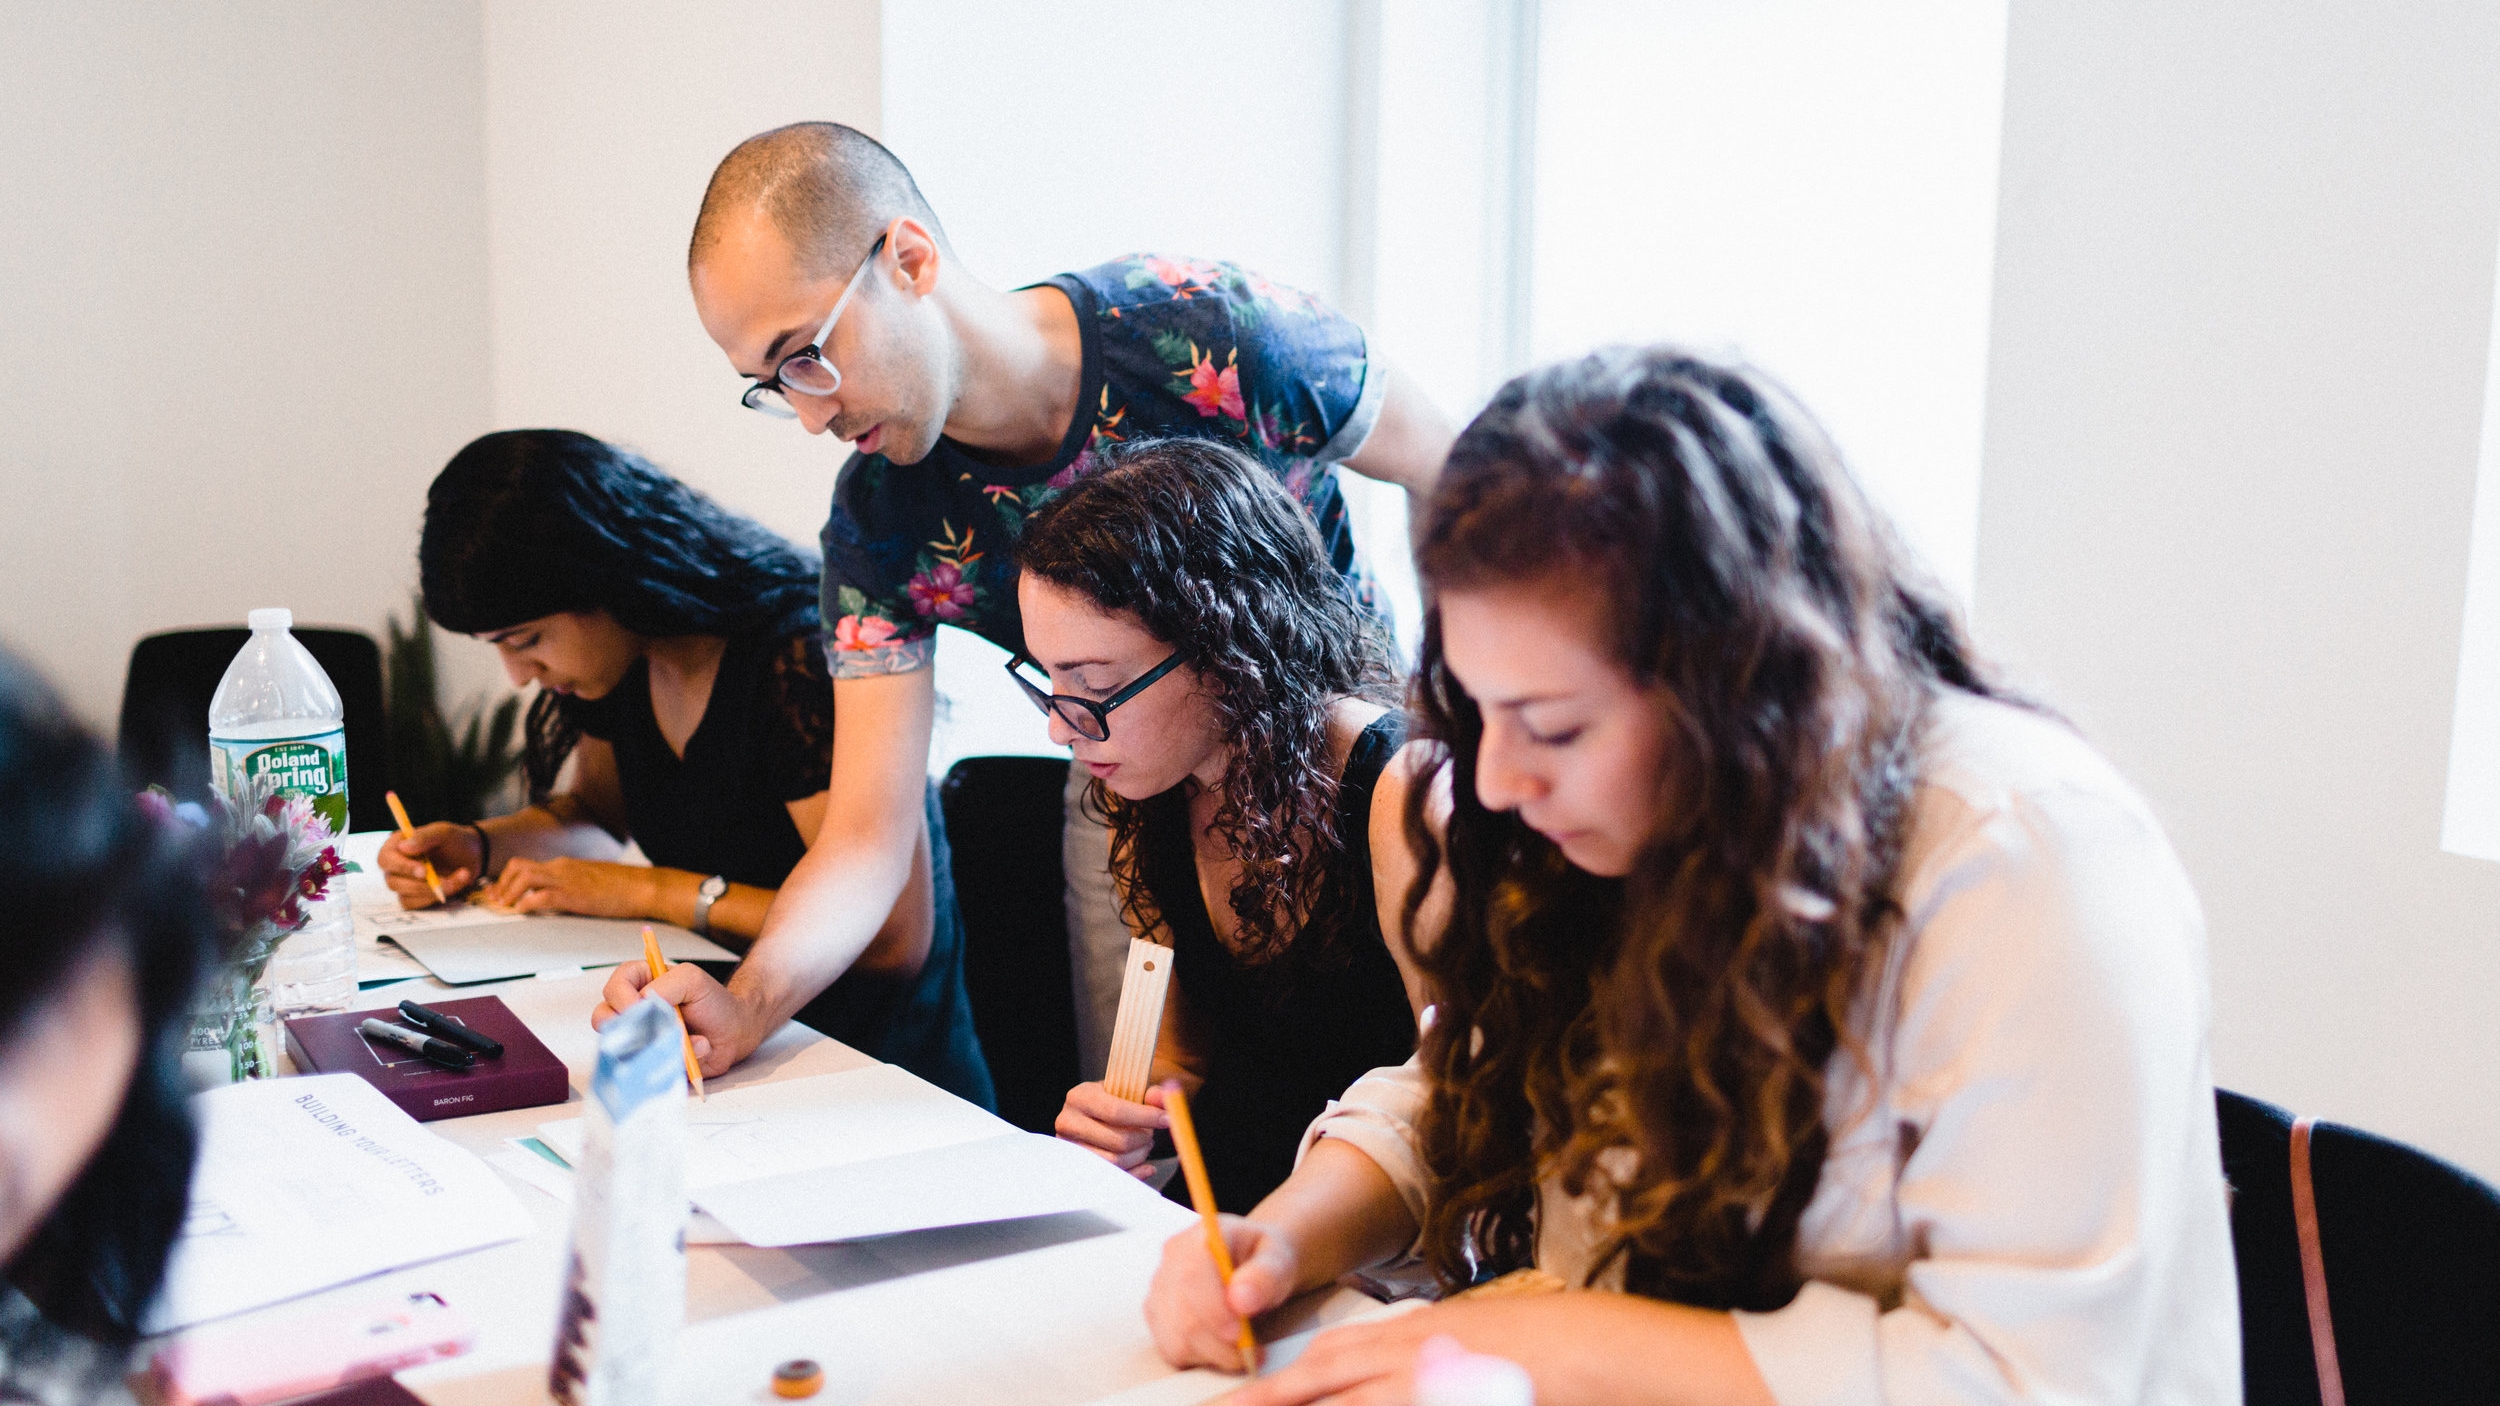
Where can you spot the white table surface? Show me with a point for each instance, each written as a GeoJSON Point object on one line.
{"type": "Point", "coordinates": [1021, 1312]}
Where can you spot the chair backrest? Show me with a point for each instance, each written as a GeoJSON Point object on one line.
{"type": "Point", "coordinates": [164, 721]}
{"type": "Point", "coordinates": [1003, 820]}
{"type": "Point", "coordinates": [2411, 1246]}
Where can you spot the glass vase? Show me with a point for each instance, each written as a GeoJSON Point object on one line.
{"type": "Point", "coordinates": [234, 1032]}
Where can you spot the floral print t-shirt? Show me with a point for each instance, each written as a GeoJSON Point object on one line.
{"type": "Point", "coordinates": [1172, 347]}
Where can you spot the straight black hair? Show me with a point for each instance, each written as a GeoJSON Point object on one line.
{"type": "Point", "coordinates": [82, 866]}
{"type": "Point", "coordinates": [525, 523]}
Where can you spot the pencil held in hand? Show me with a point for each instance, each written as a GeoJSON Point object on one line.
{"type": "Point", "coordinates": [408, 831]}
{"type": "Point", "coordinates": [1202, 1195]}
{"type": "Point", "coordinates": [651, 958]}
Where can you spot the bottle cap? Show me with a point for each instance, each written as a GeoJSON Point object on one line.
{"type": "Point", "coordinates": [1447, 1374]}
{"type": "Point", "coordinates": [271, 617]}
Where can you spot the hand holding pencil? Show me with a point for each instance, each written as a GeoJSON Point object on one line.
{"type": "Point", "coordinates": [659, 966]}
{"type": "Point", "coordinates": [1202, 1195]}
{"type": "Point", "coordinates": [408, 831]}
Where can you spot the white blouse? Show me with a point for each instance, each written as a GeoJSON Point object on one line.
{"type": "Point", "coordinates": [2028, 1204]}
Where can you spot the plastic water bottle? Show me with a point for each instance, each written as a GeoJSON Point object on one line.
{"type": "Point", "coordinates": [276, 715]}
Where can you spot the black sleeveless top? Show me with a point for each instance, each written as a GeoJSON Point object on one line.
{"type": "Point", "coordinates": [1286, 1036]}
{"type": "Point", "coordinates": [766, 739]}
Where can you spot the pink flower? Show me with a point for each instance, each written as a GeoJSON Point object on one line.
{"type": "Point", "coordinates": [1077, 468]}
{"type": "Point", "coordinates": [861, 632]}
{"type": "Point", "coordinates": [1214, 392]}
{"type": "Point", "coordinates": [941, 592]}
{"type": "Point", "coordinates": [1180, 273]}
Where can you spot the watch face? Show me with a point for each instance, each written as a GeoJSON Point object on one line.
{"type": "Point", "coordinates": [714, 887]}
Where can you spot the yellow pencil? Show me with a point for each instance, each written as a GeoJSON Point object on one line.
{"type": "Point", "coordinates": [408, 831]}
{"type": "Point", "coordinates": [651, 958]}
{"type": "Point", "coordinates": [1202, 1195]}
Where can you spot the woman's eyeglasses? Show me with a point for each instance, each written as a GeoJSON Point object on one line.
{"type": "Point", "coordinates": [806, 370]}
{"type": "Point", "coordinates": [1084, 717]}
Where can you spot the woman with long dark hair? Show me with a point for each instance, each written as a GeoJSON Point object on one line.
{"type": "Point", "coordinates": [1824, 1025]}
{"type": "Point", "coordinates": [1228, 696]}
{"type": "Point", "coordinates": [108, 933]}
{"type": "Point", "coordinates": [681, 676]}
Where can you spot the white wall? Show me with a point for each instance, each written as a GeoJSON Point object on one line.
{"type": "Point", "coordinates": [244, 255]}
{"type": "Point", "coordinates": [599, 137]}
{"type": "Point", "coordinates": [1812, 184]}
{"type": "Point", "coordinates": [1046, 144]}
{"type": "Point", "coordinates": [2243, 296]}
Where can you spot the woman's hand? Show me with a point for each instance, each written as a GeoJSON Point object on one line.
{"type": "Point", "coordinates": [1361, 1364]}
{"type": "Point", "coordinates": [1112, 1128]}
{"type": "Point", "coordinates": [1195, 1319]}
{"type": "Point", "coordinates": [590, 887]}
{"type": "Point", "coordinates": [452, 848]}
{"type": "Point", "coordinates": [725, 1029]}
{"type": "Point", "coordinates": [1577, 1347]}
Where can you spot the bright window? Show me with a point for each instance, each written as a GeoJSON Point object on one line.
{"type": "Point", "coordinates": [1811, 184]}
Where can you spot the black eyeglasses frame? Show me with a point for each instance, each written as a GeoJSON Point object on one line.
{"type": "Point", "coordinates": [1098, 713]}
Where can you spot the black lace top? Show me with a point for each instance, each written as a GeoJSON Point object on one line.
{"type": "Point", "coordinates": [1290, 1033]}
{"type": "Point", "coordinates": [766, 740]}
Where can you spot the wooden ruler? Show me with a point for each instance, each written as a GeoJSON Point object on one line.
{"type": "Point", "coordinates": [1140, 1021]}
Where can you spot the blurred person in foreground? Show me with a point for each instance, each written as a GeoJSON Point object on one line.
{"type": "Point", "coordinates": [106, 935]}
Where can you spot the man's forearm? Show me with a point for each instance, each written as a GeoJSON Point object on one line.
{"type": "Point", "coordinates": [824, 916]}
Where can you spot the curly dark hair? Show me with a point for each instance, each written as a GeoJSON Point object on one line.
{"type": "Point", "coordinates": [1204, 548]}
{"type": "Point", "coordinates": [84, 869]}
{"type": "Point", "coordinates": [526, 523]}
{"type": "Point", "coordinates": [1687, 1011]}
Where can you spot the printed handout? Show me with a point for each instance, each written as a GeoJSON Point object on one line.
{"type": "Point", "coordinates": [309, 1182]}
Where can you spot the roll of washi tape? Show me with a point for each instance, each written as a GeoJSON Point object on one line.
{"type": "Point", "coordinates": [800, 1376]}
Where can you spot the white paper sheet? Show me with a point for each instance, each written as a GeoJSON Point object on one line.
{"type": "Point", "coordinates": [999, 1178]}
{"type": "Point", "coordinates": [380, 918]}
{"type": "Point", "coordinates": [460, 943]}
{"type": "Point", "coordinates": [824, 1121]}
{"type": "Point", "coordinates": [529, 1168]}
{"type": "Point", "coordinates": [459, 954]}
{"type": "Point", "coordinates": [309, 1182]}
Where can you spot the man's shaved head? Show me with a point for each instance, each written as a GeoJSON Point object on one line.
{"type": "Point", "coordinates": [828, 189]}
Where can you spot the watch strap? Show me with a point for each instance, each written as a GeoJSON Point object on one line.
{"type": "Point", "coordinates": [705, 895]}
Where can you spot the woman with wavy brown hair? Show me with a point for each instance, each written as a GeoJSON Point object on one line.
{"type": "Point", "coordinates": [1823, 1025]}
{"type": "Point", "coordinates": [1227, 693]}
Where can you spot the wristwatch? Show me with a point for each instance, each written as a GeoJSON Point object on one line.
{"type": "Point", "coordinates": [704, 897]}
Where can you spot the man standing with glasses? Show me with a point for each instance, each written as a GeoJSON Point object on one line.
{"type": "Point", "coordinates": [822, 273]}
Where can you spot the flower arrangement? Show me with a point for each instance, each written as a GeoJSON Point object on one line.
{"type": "Point", "coordinates": [272, 854]}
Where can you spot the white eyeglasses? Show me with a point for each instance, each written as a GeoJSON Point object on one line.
{"type": "Point", "coordinates": [806, 370]}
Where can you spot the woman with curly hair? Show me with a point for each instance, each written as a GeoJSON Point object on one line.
{"type": "Point", "coordinates": [684, 703]}
{"type": "Point", "coordinates": [1822, 1024]}
{"type": "Point", "coordinates": [1227, 694]}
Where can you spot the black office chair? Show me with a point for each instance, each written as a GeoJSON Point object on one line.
{"type": "Point", "coordinates": [2411, 1249]}
{"type": "Point", "coordinates": [1003, 818]}
{"type": "Point", "coordinates": [164, 722]}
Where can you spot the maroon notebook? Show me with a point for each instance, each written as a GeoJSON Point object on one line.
{"type": "Point", "coordinates": [525, 1075]}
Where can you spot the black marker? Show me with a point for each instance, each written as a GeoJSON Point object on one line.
{"type": "Point", "coordinates": [452, 1028]}
{"type": "Point", "coordinates": [417, 1042]}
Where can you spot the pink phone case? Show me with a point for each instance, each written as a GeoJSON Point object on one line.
{"type": "Point", "coordinates": [246, 1364]}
